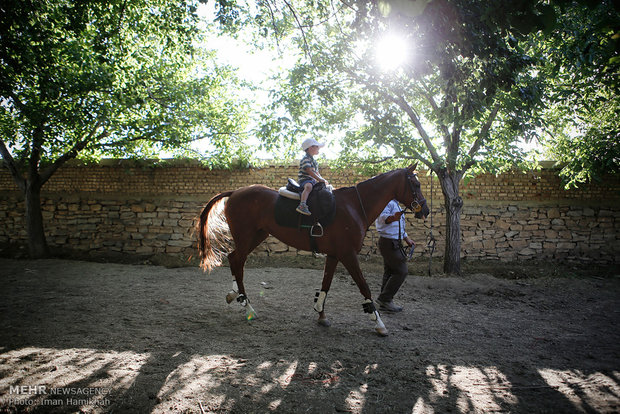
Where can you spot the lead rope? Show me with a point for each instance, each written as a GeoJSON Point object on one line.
{"type": "Point", "coordinates": [430, 245]}
{"type": "Point", "coordinates": [403, 250]}
{"type": "Point", "coordinates": [372, 234]}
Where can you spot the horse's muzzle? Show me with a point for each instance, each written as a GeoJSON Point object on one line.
{"type": "Point", "coordinates": [423, 212]}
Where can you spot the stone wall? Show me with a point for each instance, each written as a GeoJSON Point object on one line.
{"type": "Point", "coordinates": [123, 207]}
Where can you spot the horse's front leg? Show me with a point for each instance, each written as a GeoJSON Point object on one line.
{"type": "Point", "coordinates": [351, 263]}
{"type": "Point", "coordinates": [328, 275]}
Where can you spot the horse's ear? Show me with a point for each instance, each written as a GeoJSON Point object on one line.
{"type": "Point", "coordinates": [412, 167]}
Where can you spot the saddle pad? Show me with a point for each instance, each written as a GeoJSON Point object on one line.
{"type": "Point", "coordinates": [286, 215]}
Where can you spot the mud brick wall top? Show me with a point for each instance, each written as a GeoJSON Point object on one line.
{"type": "Point", "coordinates": [190, 178]}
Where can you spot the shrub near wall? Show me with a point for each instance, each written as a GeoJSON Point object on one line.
{"type": "Point", "coordinates": [118, 206]}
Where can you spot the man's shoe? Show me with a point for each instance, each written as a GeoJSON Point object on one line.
{"type": "Point", "coordinates": [303, 209]}
{"type": "Point", "coordinates": [389, 306]}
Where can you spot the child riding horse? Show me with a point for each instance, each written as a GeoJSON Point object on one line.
{"type": "Point", "coordinates": [249, 215]}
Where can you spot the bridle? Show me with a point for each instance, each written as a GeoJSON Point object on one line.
{"type": "Point", "coordinates": [416, 204]}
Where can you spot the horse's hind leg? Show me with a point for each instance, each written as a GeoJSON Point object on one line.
{"type": "Point", "coordinates": [328, 275]}
{"type": "Point", "coordinates": [237, 259]}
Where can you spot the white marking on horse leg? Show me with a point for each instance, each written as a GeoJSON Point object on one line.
{"type": "Point", "coordinates": [369, 308]}
{"type": "Point", "coordinates": [379, 326]}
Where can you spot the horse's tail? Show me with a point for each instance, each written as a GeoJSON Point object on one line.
{"type": "Point", "coordinates": [213, 236]}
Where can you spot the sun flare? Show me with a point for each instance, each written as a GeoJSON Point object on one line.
{"type": "Point", "coordinates": [391, 52]}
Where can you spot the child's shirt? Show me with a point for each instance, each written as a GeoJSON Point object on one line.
{"type": "Point", "coordinates": [307, 161]}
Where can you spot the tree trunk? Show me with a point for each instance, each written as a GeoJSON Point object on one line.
{"type": "Point", "coordinates": [453, 203]}
{"type": "Point", "coordinates": [37, 245]}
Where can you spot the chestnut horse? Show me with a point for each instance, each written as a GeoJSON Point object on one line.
{"type": "Point", "coordinates": [249, 215]}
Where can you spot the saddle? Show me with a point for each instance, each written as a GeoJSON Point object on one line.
{"type": "Point", "coordinates": [321, 202]}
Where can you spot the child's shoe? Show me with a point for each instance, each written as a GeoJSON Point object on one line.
{"type": "Point", "coordinates": [303, 209]}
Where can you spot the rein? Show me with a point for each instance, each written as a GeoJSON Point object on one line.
{"type": "Point", "coordinates": [359, 197]}
{"type": "Point", "coordinates": [415, 207]}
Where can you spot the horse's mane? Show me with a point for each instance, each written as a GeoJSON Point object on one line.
{"type": "Point", "coordinates": [369, 179]}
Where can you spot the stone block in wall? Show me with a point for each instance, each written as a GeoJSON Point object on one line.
{"type": "Point", "coordinates": [180, 243]}
{"type": "Point", "coordinates": [144, 250]}
{"type": "Point", "coordinates": [607, 213]}
{"type": "Point", "coordinates": [558, 223]}
{"type": "Point", "coordinates": [275, 246]}
{"type": "Point", "coordinates": [126, 216]}
{"type": "Point", "coordinates": [511, 234]}
{"type": "Point", "coordinates": [507, 255]}
{"type": "Point", "coordinates": [488, 244]}
{"type": "Point", "coordinates": [170, 222]}
{"type": "Point", "coordinates": [502, 224]}
{"type": "Point", "coordinates": [517, 244]}
{"type": "Point", "coordinates": [551, 234]}
{"type": "Point", "coordinates": [527, 252]}
{"type": "Point", "coordinates": [477, 244]}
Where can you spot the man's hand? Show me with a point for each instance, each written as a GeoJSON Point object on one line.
{"type": "Point", "coordinates": [409, 241]}
{"type": "Point", "coordinates": [394, 217]}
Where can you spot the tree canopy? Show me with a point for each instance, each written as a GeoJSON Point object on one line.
{"type": "Point", "coordinates": [581, 65]}
{"type": "Point", "coordinates": [452, 71]}
{"type": "Point", "coordinates": [113, 77]}
{"type": "Point", "coordinates": [110, 77]}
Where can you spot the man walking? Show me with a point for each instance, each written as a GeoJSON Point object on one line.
{"type": "Point", "coordinates": [391, 227]}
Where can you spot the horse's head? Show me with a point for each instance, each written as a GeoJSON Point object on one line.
{"type": "Point", "coordinates": [411, 195]}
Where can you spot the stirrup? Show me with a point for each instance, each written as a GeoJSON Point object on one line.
{"type": "Point", "coordinates": [317, 233]}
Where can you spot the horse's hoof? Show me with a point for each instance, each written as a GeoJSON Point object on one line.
{"type": "Point", "coordinates": [324, 322]}
{"type": "Point", "coordinates": [382, 331]}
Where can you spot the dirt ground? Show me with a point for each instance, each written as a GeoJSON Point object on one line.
{"type": "Point", "coordinates": [79, 336]}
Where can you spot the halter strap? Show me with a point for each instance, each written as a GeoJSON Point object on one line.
{"type": "Point", "coordinates": [359, 197]}
{"type": "Point", "coordinates": [416, 205]}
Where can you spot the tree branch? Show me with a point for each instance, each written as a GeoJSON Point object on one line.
{"type": "Point", "coordinates": [412, 115]}
{"type": "Point", "coordinates": [300, 27]}
{"type": "Point", "coordinates": [11, 165]}
{"type": "Point", "coordinates": [444, 129]}
{"type": "Point", "coordinates": [482, 135]}
{"type": "Point", "coordinates": [72, 153]}
{"type": "Point", "coordinates": [273, 23]}
{"type": "Point", "coordinates": [35, 157]}
{"type": "Point", "coordinates": [455, 143]}
{"type": "Point", "coordinates": [400, 101]}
